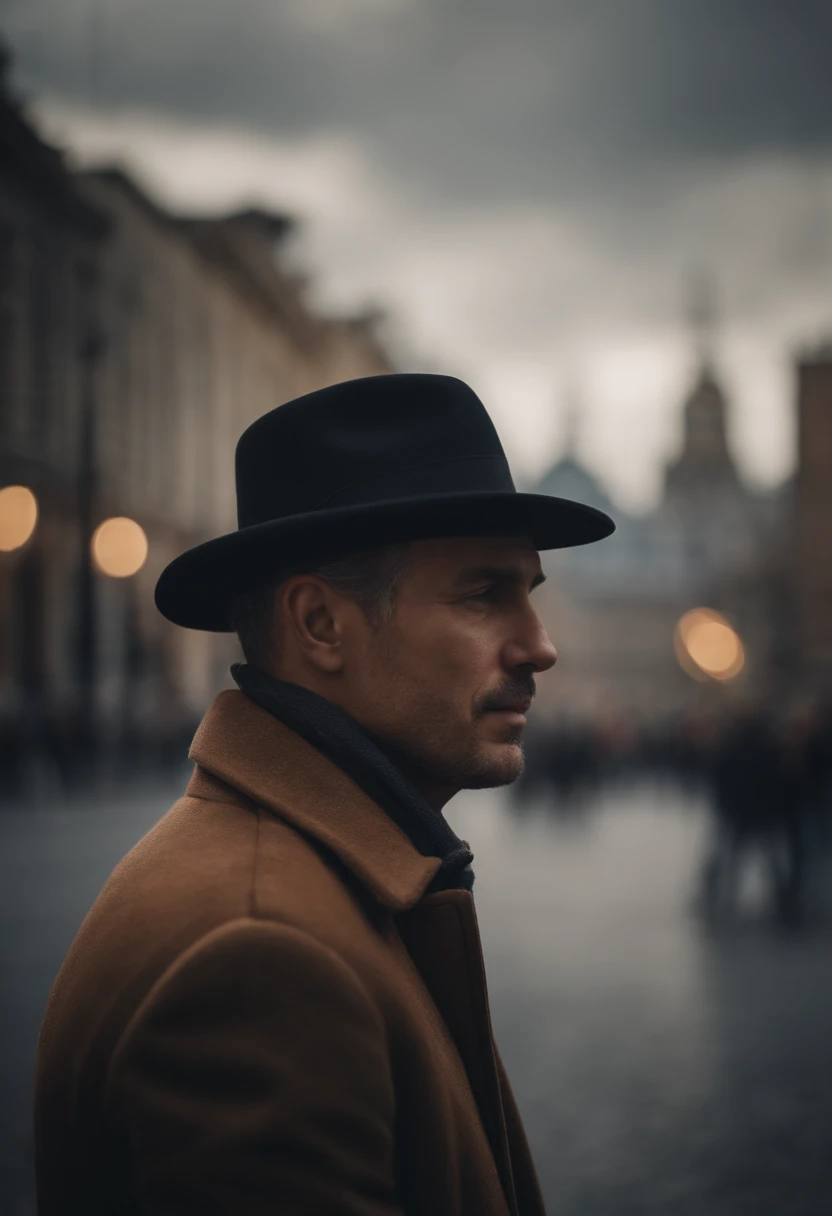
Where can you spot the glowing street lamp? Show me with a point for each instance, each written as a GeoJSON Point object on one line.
{"type": "Point", "coordinates": [707, 646]}
{"type": "Point", "coordinates": [119, 547]}
{"type": "Point", "coordinates": [18, 517]}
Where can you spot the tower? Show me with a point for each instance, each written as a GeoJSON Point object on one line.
{"type": "Point", "coordinates": [705, 459]}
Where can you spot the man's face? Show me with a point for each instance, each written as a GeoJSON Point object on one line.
{"type": "Point", "coordinates": [447, 681]}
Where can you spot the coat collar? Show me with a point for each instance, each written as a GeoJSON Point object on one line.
{"type": "Point", "coordinates": [254, 753]}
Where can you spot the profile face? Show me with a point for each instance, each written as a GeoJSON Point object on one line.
{"type": "Point", "coordinates": [449, 680]}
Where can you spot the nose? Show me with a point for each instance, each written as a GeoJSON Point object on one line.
{"type": "Point", "coordinates": [545, 654]}
{"type": "Point", "coordinates": [535, 649]}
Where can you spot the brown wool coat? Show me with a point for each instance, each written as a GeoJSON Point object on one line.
{"type": "Point", "coordinates": [262, 1014]}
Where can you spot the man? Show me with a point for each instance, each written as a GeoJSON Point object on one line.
{"type": "Point", "coordinates": [278, 1004]}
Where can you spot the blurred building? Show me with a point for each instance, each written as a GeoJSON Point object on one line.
{"type": "Point", "coordinates": [136, 347]}
{"type": "Point", "coordinates": [614, 605]}
{"type": "Point", "coordinates": [50, 243]}
{"type": "Point", "coordinates": [718, 523]}
{"type": "Point", "coordinates": [812, 553]}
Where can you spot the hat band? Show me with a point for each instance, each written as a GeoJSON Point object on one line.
{"type": "Point", "coordinates": [487, 474]}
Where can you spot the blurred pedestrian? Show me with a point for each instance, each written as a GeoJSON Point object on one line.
{"type": "Point", "coordinates": [758, 798]}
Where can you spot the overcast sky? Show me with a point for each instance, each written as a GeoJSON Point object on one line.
{"type": "Point", "coordinates": [526, 186]}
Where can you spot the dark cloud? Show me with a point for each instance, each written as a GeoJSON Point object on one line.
{"type": "Point", "coordinates": [659, 132]}
{"type": "Point", "coordinates": [481, 99]}
{"type": "Point", "coordinates": [516, 178]}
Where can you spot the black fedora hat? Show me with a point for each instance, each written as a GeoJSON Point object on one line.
{"type": "Point", "coordinates": [367, 462]}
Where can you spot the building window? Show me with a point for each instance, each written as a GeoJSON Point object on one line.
{"type": "Point", "coordinates": [9, 287]}
{"type": "Point", "coordinates": [7, 261]}
{"type": "Point", "coordinates": [8, 367]}
{"type": "Point", "coordinates": [43, 340]}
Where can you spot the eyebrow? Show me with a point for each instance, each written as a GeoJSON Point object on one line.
{"type": "Point", "coordinates": [496, 574]}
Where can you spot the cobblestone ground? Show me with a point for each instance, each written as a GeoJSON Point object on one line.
{"type": "Point", "coordinates": [659, 1067]}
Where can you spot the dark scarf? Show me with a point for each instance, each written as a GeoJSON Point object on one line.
{"type": "Point", "coordinates": [346, 743]}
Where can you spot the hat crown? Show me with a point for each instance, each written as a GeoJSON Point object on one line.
{"type": "Point", "coordinates": [385, 436]}
{"type": "Point", "coordinates": [376, 461]}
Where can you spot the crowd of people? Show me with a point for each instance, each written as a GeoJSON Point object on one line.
{"type": "Point", "coordinates": [44, 756]}
{"type": "Point", "coordinates": [767, 775]}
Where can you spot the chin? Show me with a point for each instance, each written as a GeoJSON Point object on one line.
{"type": "Point", "coordinates": [477, 765]}
{"type": "Point", "coordinates": [503, 765]}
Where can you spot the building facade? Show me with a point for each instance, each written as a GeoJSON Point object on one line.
{"type": "Point", "coordinates": [50, 245]}
{"type": "Point", "coordinates": [812, 549]}
{"type": "Point", "coordinates": [614, 606]}
{"type": "Point", "coordinates": [136, 347]}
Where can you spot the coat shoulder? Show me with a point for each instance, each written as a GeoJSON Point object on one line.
{"type": "Point", "coordinates": [213, 859]}
{"type": "Point", "coordinates": [289, 876]}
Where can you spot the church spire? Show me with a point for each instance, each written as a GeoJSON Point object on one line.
{"type": "Point", "coordinates": [701, 311]}
{"type": "Point", "coordinates": [705, 457]}
{"type": "Point", "coordinates": [571, 409]}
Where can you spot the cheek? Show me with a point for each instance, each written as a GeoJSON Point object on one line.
{"type": "Point", "coordinates": [449, 659]}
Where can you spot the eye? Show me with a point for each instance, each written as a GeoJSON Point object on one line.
{"type": "Point", "coordinates": [487, 594]}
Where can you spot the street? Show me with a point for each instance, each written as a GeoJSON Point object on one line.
{"type": "Point", "coordinates": [660, 1066]}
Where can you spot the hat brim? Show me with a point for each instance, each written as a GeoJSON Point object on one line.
{"type": "Point", "coordinates": [197, 590]}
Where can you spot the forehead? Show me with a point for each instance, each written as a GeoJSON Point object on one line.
{"type": "Point", "coordinates": [452, 556]}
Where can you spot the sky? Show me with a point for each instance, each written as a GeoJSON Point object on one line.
{"type": "Point", "coordinates": [528, 189]}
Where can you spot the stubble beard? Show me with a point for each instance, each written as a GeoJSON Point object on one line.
{"type": "Point", "coordinates": [444, 753]}
{"type": "Point", "coordinates": [470, 765]}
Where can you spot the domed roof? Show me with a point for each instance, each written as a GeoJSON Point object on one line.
{"type": "Point", "coordinates": [569, 479]}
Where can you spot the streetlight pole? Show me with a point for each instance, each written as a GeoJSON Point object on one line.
{"type": "Point", "coordinates": [90, 351]}
{"type": "Point", "coordinates": [118, 550]}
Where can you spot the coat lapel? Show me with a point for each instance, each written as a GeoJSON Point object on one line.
{"type": "Point", "coordinates": [442, 938]}
{"type": "Point", "coordinates": [526, 1186]}
{"type": "Point", "coordinates": [250, 750]}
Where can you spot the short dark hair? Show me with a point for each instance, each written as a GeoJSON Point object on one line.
{"type": "Point", "coordinates": [371, 578]}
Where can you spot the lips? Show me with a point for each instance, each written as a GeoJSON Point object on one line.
{"type": "Point", "coordinates": [516, 707]}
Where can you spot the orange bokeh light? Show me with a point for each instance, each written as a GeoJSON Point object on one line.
{"type": "Point", "coordinates": [18, 517]}
{"type": "Point", "coordinates": [707, 646]}
{"type": "Point", "coordinates": [119, 547]}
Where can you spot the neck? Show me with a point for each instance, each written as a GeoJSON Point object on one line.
{"type": "Point", "coordinates": [435, 793]}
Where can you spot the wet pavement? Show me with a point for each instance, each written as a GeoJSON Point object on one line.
{"type": "Point", "coordinates": [660, 1066]}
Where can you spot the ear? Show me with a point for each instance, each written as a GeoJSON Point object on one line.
{"type": "Point", "coordinates": [312, 622]}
